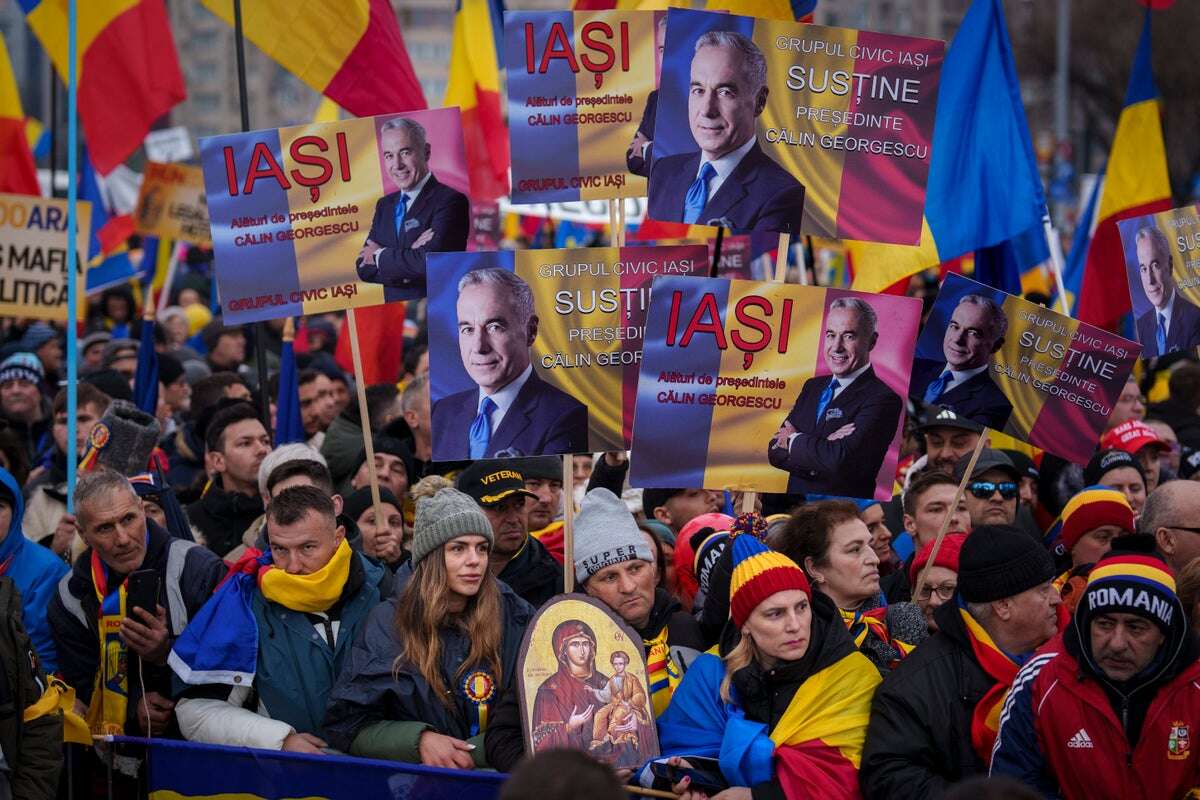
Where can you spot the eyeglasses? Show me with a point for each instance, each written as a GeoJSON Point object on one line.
{"type": "Point", "coordinates": [944, 591]}
{"type": "Point", "coordinates": [985, 489]}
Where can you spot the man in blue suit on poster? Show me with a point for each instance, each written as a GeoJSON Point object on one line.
{"type": "Point", "coordinates": [1172, 323]}
{"type": "Point", "coordinates": [511, 412]}
{"type": "Point", "coordinates": [729, 181]}
{"type": "Point", "coordinates": [836, 436]}
{"type": "Point", "coordinates": [424, 216]}
{"type": "Point", "coordinates": [961, 383]}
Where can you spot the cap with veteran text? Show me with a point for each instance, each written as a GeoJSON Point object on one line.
{"type": "Point", "coordinates": [492, 481]}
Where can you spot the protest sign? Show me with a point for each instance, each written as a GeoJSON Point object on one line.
{"type": "Point", "coordinates": [735, 257]}
{"type": "Point", "coordinates": [1162, 262]}
{"type": "Point", "coordinates": [1020, 368]}
{"type": "Point", "coordinates": [171, 204]}
{"type": "Point", "coordinates": [735, 388]}
{"type": "Point", "coordinates": [33, 255]}
{"type": "Point", "coordinates": [581, 347]}
{"type": "Point", "coordinates": [849, 114]}
{"type": "Point", "coordinates": [578, 87]}
{"type": "Point", "coordinates": [298, 213]}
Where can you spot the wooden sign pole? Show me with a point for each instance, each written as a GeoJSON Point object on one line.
{"type": "Point", "coordinates": [568, 495]}
{"type": "Point", "coordinates": [372, 473]}
{"type": "Point", "coordinates": [962, 486]}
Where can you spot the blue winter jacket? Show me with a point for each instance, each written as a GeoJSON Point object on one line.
{"type": "Point", "coordinates": [34, 569]}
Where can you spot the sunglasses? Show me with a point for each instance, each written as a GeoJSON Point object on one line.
{"type": "Point", "coordinates": [985, 489]}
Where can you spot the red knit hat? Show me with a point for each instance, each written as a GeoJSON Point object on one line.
{"type": "Point", "coordinates": [1090, 508]}
{"type": "Point", "coordinates": [947, 556]}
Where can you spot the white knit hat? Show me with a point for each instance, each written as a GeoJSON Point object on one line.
{"type": "Point", "coordinates": [606, 534]}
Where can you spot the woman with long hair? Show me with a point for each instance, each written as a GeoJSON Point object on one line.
{"type": "Point", "coordinates": [786, 704]}
{"type": "Point", "coordinates": [831, 543]}
{"type": "Point", "coordinates": [431, 662]}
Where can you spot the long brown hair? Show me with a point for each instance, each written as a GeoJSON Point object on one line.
{"type": "Point", "coordinates": [420, 614]}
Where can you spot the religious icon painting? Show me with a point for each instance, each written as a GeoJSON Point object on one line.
{"type": "Point", "coordinates": [583, 685]}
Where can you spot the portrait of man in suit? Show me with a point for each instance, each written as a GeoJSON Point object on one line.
{"type": "Point", "coordinates": [1172, 323]}
{"type": "Point", "coordinates": [511, 412]}
{"type": "Point", "coordinates": [836, 436]}
{"type": "Point", "coordinates": [423, 216]}
{"type": "Point", "coordinates": [729, 181]}
{"type": "Point", "coordinates": [638, 155]}
{"type": "Point", "coordinates": [962, 382]}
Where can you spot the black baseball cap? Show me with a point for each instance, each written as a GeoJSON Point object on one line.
{"type": "Point", "coordinates": [1022, 462]}
{"type": "Point", "coordinates": [989, 459]}
{"type": "Point", "coordinates": [492, 481]}
{"type": "Point", "coordinates": [943, 417]}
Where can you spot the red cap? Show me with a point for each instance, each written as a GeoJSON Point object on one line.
{"type": "Point", "coordinates": [1131, 436]}
{"type": "Point", "coordinates": [947, 556]}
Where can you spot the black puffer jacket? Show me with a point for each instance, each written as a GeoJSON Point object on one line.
{"type": "Point", "coordinates": [919, 737]}
{"type": "Point", "coordinates": [366, 692]}
{"type": "Point", "coordinates": [533, 574]}
{"type": "Point", "coordinates": [223, 517]}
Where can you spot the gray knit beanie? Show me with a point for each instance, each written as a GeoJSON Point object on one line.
{"type": "Point", "coordinates": [606, 534]}
{"type": "Point", "coordinates": [445, 516]}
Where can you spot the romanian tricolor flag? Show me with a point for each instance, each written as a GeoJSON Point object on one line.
{"type": "Point", "coordinates": [1135, 183]}
{"type": "Point", "coordinates": [351, 51]}
{"type": "Point", "coordinates": [797, 10]}
{"type": "Point", "coordinates": [128, 70]}
{"type": "Point", "coordinates": [983, 186]}
{"type": "Point", "coordinates": [474, 86]}
{"type": "Point", "coordinates": [18, 173]}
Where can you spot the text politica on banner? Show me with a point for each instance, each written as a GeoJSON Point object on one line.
{"type": "Point", "coordinates": [549, 340]}
{"type": "Point", "coordinates": [772, 387]}
{"type": "Point", "coordinates": [1020, 368]}
{"type": "Point", "coordinates": [834, 121]}
{"type": "Point", "coordinates": [1162, 262]}
{"type": "Point", "coordinates": [33, 255]}
{"type": "Point", "coordinates": [171, 204]}
{"type": "Point", "coordinates": [578, 87]}
{"type": "Point", "coordinates": [337, 215]}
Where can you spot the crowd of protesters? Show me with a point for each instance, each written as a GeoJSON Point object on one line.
{"type": "Point", "coordinates": [1035, 631]}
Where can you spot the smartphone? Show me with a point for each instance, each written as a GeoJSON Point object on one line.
{"type": "Point", "coordinates": [142, 592]}
{"type": "Point", "coordinates": [704, 780]}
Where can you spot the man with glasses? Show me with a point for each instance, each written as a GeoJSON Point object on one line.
{"type": "Point", "coordinates": [993, 489]}
{"type": "Point", "coordinates": [1172, 516]}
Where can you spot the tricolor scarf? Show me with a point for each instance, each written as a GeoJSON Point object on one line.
{"type": "Point", "coordinates": [661, 670]}
{"type": "Point", "coordinates": [866, 622]}
{"type": "Point", "coordinates": [814, 749]}
{"type": "Point", "coordinates": [110, 693]}
{"type": "Point", "coordinates": [220, 644]}
{"type": "Point", "coordinates": [985, 721]}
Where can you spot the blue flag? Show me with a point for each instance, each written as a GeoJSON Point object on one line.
{"type": "Point", "coordinates": [145, 380]}
{"type": "Point", "coordinates": [289, 427]}
{"type": "Point", "coordinates": [1077, 258]}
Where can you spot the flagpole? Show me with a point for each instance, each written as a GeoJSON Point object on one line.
{"type": "Point", "coordinates": [72, 226]}
{"type": "Point", "coordinates": [1056, 262]}
{"type": "Point", "coordinates": [260, 348]}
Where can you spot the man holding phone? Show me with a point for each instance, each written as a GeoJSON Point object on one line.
{"type": "Point", "coordinates": [129, 594]}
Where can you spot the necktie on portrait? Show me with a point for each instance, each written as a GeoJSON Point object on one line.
{"type": "Point", "coordinates": [401, 210]}
{"type": "Point", "coordinates": [826, 398]}
{"type": "Point", "coordinates": [1160, 335]}
{"type": "Point", "coordinates": [935, 388]}
{"type": "Point", "coordinates": [697, 194]}
{"type": "Point", "coordinates": [481, 429]}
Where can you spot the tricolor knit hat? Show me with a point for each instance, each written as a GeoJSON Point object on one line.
{"type": "Point", "coordinates": [1089, 509]}
{"type": "Point", "coordinates": [758, 573]}
{"type": "Point", "coordinates": [22, 366]}
{"type": "Point", "coordinates": [1132, 583]}
{"type": "Point", "coordinates": [445, 516]}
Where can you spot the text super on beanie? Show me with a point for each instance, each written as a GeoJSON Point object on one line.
{"type": "Point", "coordinates": [445, 516]}
{"type": "Point", "coordinates": [998, 561]}
{"type": "Point", "coordinates": [606, 534]}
